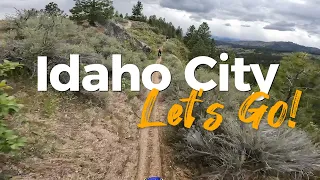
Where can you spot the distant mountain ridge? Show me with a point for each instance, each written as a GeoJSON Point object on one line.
{"type": "Point", "coordinates": [224, 39]}
{"type": "Point", "coordinates": [279, 46]}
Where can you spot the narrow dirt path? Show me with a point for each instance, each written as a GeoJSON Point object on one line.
{"type": "Point", "coordinates": [150, 156]}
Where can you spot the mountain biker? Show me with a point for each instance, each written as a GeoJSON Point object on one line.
{"type": "Point", "coordinates": [159, 52]}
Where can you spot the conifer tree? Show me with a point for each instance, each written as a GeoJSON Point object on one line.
{"type": "Point", "coordinates": [53, 9]}
{"type": "Point", "coordinates": [116, 14]}
{"type": "Point", "coordinates": [137, 11]}
{"type": "Point", "coordinates": [92, 11]}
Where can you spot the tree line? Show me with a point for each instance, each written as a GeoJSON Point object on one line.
{"type": "Point", "coordinates": [100, 11]}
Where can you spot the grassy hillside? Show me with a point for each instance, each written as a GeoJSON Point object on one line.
{"type": "Point", "coordinates": [69, 133]}
{"type": "Point", "coordinates": [71, 136]}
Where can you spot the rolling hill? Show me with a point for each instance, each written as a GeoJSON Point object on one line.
{"type": "Point", "coordinates": [278, 46]}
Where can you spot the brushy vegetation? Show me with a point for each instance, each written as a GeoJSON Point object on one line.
{"type": "Point", "coordinates": [9, 141]}
{"type": "Point", "coordinates": [177, 48]}
{"type": "Point", "coordinates": [32, 33]}
{"type": "Point", "coordinates": [57, 37]}
{"type": "Point", "coordinates": [234, 151]}
{"type": "Point", "coordinates": [142, 31]}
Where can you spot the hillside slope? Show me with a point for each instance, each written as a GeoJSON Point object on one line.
{"type": "Point", "coordinates": [74, 136]}
{"type": "Point", "coordinates": [86, 135]}
{"type": "Point", "coordinates": [95, 136]}
{"type": "Point", "coordinates": [274, 46]}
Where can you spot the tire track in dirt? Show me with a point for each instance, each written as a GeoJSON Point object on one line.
{"type": "Point", "coordinates": [150, 156]}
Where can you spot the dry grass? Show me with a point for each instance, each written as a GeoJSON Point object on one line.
{"type": "Point", "coordinates": [71, 138]}
{"type": "Point", "coordinates": [2, 25]}
{"type": "Point", "coordinates": [2, 29]}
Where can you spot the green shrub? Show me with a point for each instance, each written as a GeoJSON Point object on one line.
{"type": "Point", "coordinates": [9, 142]}
{"type": "Point", "coordinates": [57, 37]}
{"type": "Point", "coordinates": [144, 34]}
{"type": "Point", "coordinates": [41, 35]}
{"type": "Point", "coordinates": [155, 30]}
{"type": "Point", "coordinates": [120, 20]}
{"type": "Point", "coordinates": [313, 129]}
{"type": "Point", "coordinates": [175, 47]}
{"type": "Point", "coordinates": [50, 104]}
{"type": "Point", "coordinates": [131, 94]}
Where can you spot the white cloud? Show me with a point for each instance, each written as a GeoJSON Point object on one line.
{"type": "Point", "coordinates": [248, 18]}
{"type": "Point", "coordinates": [256, 30]}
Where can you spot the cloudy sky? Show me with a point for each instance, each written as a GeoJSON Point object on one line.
{"type": "Point", "coordinates": [267, 20]}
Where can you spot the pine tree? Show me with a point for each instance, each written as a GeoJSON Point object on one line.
{"type": "Point", "coordinates": [214, 52]}
{"type": "Point", "coordinates": [179, 33]}
{"type": "Point", "coordinates": [299, 72]}
{"type": "Point", "coordinates": [199, 49]}
{"type": "Point", "coordinates": [116, 14]}
{"type": "Point", "coordinates": [199, 41]}
{"type": "Point", "coordinates": [92, 10]}
{"type": "Point", "coordinates": [152, 20]}
{"type": "Point", "coordinates": [190, 33]}
{"type": "Point", "coordinates": [204, 32]}
{"type": "Point", "coordinates": [145, 19]}
{"type": "Point", "coordinates": [53, 9]}
{"type": "Point", "coordinates": [137, 11]}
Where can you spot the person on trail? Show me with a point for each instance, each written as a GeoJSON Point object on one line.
{"type": "Point", "coordinates": [167, 38]}
{"type": "Point", "coordinates": [159, 52]}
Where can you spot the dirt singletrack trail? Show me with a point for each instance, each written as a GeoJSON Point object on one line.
{"type": "Point", "coordinates": [150, 156]}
